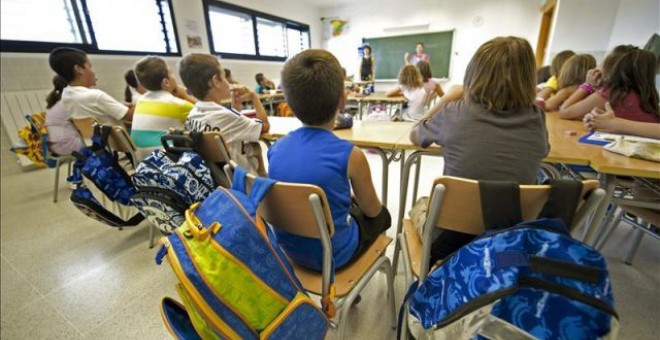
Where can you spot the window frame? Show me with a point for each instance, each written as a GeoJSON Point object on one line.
{"type": "Point", "coordinates": [288, 23]}
{"type": "Point", "coordinates": [82, 14]}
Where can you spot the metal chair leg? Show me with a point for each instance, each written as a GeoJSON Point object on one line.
{"type": "Point", "coordinates": [634, 246]}
{"type": "Point", "coordinates": [57, 180]}
{"type": "Point", "coordinates": [608, 230]}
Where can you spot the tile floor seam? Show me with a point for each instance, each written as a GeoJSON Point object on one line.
{"type": "Point", "coordinates": [85, 275]}
{"type": "Point", "coordinates": [64, 317]}
{"type": "Point", "coordinates": [23, 277]}
{"type": "Point", "coordinates": [109, 317]}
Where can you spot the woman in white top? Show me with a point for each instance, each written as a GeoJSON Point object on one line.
{"type": "Point", "coordinates": [412, 87]}
{"type": "Point", "coordinates": [63, 138]}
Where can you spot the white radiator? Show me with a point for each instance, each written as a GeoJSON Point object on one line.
{"type": "Point", "coordinates": [15, 105]}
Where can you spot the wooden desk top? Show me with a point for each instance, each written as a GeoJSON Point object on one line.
{"type": "Point", "coordinates": [379, 134]}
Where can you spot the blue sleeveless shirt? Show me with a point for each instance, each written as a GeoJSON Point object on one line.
{"type": "Point", "coordinates": [316, 156]}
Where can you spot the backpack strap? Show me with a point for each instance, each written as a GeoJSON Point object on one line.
{"type": "Point", "coordinates": [563, 200]}
{"type": "Point", "coordinates": [409, 294]}
{"type": "Point", "coordinates": [259, 189]}
{"type": "Point", "coordinates": [500, 204]}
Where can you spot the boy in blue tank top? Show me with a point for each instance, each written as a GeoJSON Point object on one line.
{"type": "Point", "coordinates": [314, 88]}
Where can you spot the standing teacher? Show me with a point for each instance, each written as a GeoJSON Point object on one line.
{"type": "Point", "coordinates": [367, 65]}
{"type": "Point", "coordinates": [417, 57]}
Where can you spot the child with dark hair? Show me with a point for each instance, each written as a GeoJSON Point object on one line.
{"type": "Point", "coordinates": [164, 106]}
{"type": "Point", "coordinates": [204, 77]}
{"type": "Point", "coordinates": [133, 89]}
{"type": "Point", "coordinates": [229, 78]}
{"type": "Point", "coordinates": [63, 138]}
{"type": "Point", "coordinates": [314, 81]}
{"type": "Point", "coordinates": [263, 84]}
{"type": "Point", "coordinates": [490, 129]}
{"type": "Point", "coordinates": [79, 99]}
{"type": "Point", "coordinates": [626, 81]}
{"type": "Point", "coordinates": [430, 85]}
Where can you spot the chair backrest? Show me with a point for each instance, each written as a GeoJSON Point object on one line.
{"type": "Point", "coordinates": [120, 140]}
{"type": "Point", "coordinates": [214, 148]}
{"type": "Point", "coordinates": [461, 208]}
{"type": "Point", "coordinates": [429, 98]}
{"type": "Point", "coordinates": [85, 126]}
{"type": "Point", "coordinates": [287, 207]}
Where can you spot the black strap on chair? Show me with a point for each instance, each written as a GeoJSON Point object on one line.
{"type": "Point", "coordinates": [565, 195]}
{"type": "Point", "coordinates": [500, 204]}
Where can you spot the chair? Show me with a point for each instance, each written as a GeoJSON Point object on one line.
{"type": "Point", "coordinates": [429, 99]}
{"type": "Point", "coordinates": [456, 205]}
{"type": "Point", "coordinates": [85, 127]}
{"type": "Point", "coordinates": [296, 209]}
{"type": "Point", "coordinates": [53, 161]}
{"type": "Point", "coordinates": [646, 215]}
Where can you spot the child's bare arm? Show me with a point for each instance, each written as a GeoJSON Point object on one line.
{"type": "Point", "coordinates": [554, 102]}
{"type": "Point", "coordinates": [245, 94]}
{"type": "Point", "coordinates": [363, 187]}
{"type": "Point", "coordinates": [393, 92]}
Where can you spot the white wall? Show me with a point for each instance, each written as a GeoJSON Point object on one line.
{"type": "Point", "coordinates": [27, 71]}
{"type": "Point", "coordinates": [372, 18]}
{"type": "Point", "coordinates": [597, 26]}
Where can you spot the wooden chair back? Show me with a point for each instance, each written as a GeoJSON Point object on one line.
{"type": "Point", "coordinates": [461, 208]}
{"type": "Point", "coordinates": [287, 207]}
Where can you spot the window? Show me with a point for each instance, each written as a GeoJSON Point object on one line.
{"type": "Point", "coordinates": [240, 33]}
{"type": "Point", "coordinates": [95, 26]}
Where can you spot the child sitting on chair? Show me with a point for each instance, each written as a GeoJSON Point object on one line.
{"type": "Point", "coordinates": [314, 88]}
{"type": "Point", "coordinates": [490, 130]}
{"type": "Point", "coordinates": [205, 78]}
{"type": "Point", "coordinates": [165, 105]}
{"type": "Point", "coordinates": [79, 99]}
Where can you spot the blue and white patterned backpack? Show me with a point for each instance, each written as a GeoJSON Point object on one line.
{"type": "Point", "coordinates": [168, 183]}
{"type": "Point", "coordinates": [529, 281]}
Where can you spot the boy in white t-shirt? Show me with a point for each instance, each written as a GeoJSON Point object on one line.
{"type": "Point", "coordinates": [79, 99]}
{"type": "Point", "coordinates": [205, 79]}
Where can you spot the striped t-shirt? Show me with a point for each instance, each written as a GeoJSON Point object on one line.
{"type": "Point", "coordinates": [155, 113]}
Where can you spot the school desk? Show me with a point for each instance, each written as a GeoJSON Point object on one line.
{"type": "Point", "coordinates": [380, 136]}
{"type": "Point", "coordinates": [393, 103]}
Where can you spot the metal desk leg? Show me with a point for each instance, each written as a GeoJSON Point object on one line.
{"type": "Point", "coordinates": [597, 220]}
{"type": "Point", "coordinates": [418, 168]}
{"type": "Point", "coordinates": [386, 171]}
{"type": "Point", "coordinates": [405, 175]}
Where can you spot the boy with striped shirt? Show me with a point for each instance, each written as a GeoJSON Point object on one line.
{"type": "Point", "coordinates": [165, 105]}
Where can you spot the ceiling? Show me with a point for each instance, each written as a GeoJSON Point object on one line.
{"type": "Point", "coordinates": [328, 3]}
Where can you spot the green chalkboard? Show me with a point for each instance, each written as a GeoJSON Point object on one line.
{"type": "Point", "coordinates": [388, 52]}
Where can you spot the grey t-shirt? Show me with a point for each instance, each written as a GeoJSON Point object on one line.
{"type": "Point", "coordinates": [486, 145]}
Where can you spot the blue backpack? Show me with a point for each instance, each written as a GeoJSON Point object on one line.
{"type": "Point", "coordinates": [169, 182]}
{"type": "Point", "coordinates": [104, 188]}
{"type": "Point", "coordinates": [234, 280]}
{"type": "Point", "coordinates": [529, 281]}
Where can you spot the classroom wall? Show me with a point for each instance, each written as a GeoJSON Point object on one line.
{"type": "Point", "coordinates": [28, 71]}
{"type": "Point", "coordinates": [596, 26]}
{"type": "Point", "coordinates": [475, 22]}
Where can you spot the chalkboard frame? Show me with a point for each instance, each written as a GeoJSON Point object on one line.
{"type": "Point", "coordinates": [438, 74]}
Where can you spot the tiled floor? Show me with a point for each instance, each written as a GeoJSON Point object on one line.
{"type": "Point", "coordinates": [67, 276]}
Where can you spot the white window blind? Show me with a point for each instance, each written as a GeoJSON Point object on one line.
{"type": "Point", "coordinates": [127, 25]}
{"type": "Point", "coordinates": [232, 31]}
{"type": "Point", "coordinates": [297, 41]}
{"type": "Point", "coordinates": [271, 35]}
{"type": "Point", "coordinates": [39, 20]}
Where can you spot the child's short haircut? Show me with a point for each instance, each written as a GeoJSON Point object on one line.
{"type": "Point", "coordinates": [150, 72]}
{"type": "Point", "coordinates": [410, 77]}
{"type": "Point", "coordinates": [63, 59]}
{"type": "Point", "coordinates": [559, 60]}
{"type": "Point", "coordinates": [259, 77]}
{"type": "Point", "coordinates": [196, 71]}
{"type": "Point", "coordinates": [313, 84]}
{"type": "Point", "coordinates": [543, 74]}
{"type": "Point", "coordinates": [501, 75]}
{"type": "Point", "coordinates": [425, 69]}
{"type": "Point", "coordinates": [575, 70]}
